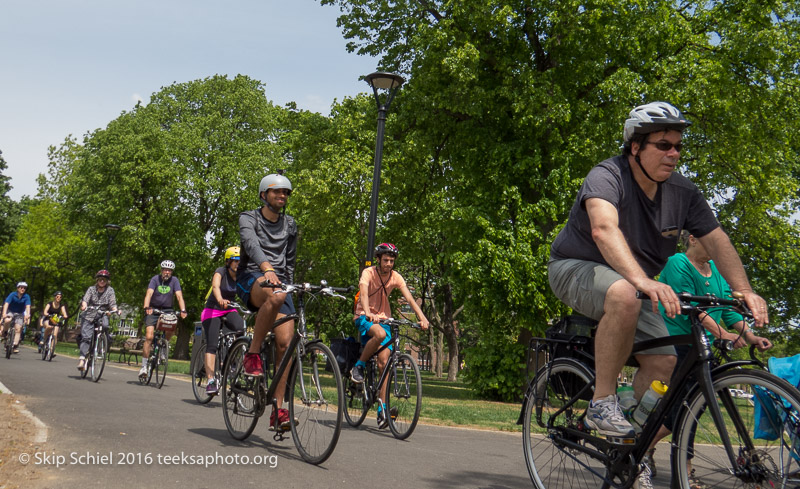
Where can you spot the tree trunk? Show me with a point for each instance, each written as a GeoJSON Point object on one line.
{"type": "Point", "coordinates": [185, 332]}
{"type": "Point", "coordinates": [439, 354]}
{"type": "Point", "coordinates": [448, 324]}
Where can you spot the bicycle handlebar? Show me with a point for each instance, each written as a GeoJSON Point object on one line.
{"type": "Point", "coordinates": [322, 288]}
{"type": "Point", "coordinates": [400, 322]}
{"type": "Point", "coordinates": [705, 301]}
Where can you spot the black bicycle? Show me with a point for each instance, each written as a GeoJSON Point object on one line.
{"type": "Point", "coordinates": [314, 396]}
{"type": "Point", "coordinates": [729, 441]}
{"type": "Point", "coordinates": [402, 376]}
{"type": "Point", "coordinates": [198, 368]}
{"type": "Point", "coordinates": [98, 347]}
{"type": "Point", "coordinates": [159, 349]}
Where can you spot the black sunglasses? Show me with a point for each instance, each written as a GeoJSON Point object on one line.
{"type": "Point", "coordinates": [665, 145]}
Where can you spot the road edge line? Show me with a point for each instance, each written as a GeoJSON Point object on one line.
{"type": "Point", "coordinates": [41, 434]}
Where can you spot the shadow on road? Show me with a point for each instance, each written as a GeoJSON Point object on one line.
{"type": "Point", "coordinates": [480, 480]}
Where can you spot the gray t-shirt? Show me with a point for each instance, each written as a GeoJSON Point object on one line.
{"type": "Point", "coordinates": [163, 291]}
{"type": "Point", "coordinates": [273, 242]}
{"type": "Point", "coordinates": [651, 227]}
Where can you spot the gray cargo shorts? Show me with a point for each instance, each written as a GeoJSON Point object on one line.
{"type": "Point", "coordinates": [582, 285]}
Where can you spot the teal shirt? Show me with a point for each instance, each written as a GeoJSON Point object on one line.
{"type": "Point", "coordinates": [682, 276]}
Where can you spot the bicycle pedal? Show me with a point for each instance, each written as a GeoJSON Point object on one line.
{"type": "Point", "coordinates": [621, 440]}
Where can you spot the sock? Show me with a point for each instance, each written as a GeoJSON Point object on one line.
{"type": "Point", "coordinates": [380, 407]}
{"type": "Point", "coordinates": [361, 364]}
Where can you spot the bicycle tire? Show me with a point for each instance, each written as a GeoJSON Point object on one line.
{"type": "Point", "coordinates": [549, 463]}
{"type": "Point", "coordinates": [10, 340]}
{"type": "Point", "coordinates": [152, 362]}
{"type": "Point", "coordinates": [99, 356]}
{"type": "Point", "coordinates": [758, 462]}
{"type": "Point", "coordinates": [199, 377]}
{"type": "Point", "coordinates": [162, 362]}
{"type": "Point", "coordinates": [51, 340]}
{"type": "Point", "coordinates": [404, 396]}
{"type": "Point", "coordinates": [316, 403]}
{"type": "Point", "coordinates": [44, 348]}
{"type": "Point", "coordinates": [356, 407]}
{"type": "Point", "coordinates": [86, 363]}
{"type": "Point", "coordinates": [241, 404]}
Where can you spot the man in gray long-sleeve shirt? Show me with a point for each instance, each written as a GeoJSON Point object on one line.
{"type": "Point", "coordinates": [268, 253]}
{"type": "Point", "coordinates": [101, 296]}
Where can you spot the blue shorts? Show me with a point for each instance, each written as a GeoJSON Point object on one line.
{"type": "Point", "coordinates": [363, 324]}
{"type": "Point", "coordinates": [245, 283]}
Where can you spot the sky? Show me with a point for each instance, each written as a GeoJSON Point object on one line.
{"type": "Point", "coordinates": [68, 67]}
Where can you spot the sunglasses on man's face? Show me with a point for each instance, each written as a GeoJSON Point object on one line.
{"type": "Point", "coordinates": [665, 145]}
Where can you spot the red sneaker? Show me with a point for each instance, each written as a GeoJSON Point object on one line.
{"type": "Point", "coordinates": [283, 420]}
{"type": "Point", "coordinates": [252, 365]}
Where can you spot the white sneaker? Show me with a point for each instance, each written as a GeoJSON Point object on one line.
{"type": "Point", "coordinates": [643, 481]}
{"type": "Point", "coordinates": [606, 417]}
{"type": "Point", "coordinates": [81, 363]}
{"type": "Point", "coordinates": [143, 371]}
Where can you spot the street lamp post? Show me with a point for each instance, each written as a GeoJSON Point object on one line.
{"type": "Point", "coordinates": [111, 233]}
{"type": "Point", "coordinates": [390, 84]}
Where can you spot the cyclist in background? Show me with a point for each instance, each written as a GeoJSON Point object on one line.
{"type": "Point", "coordinates": [17, 310]}
{"type": "Point", "coordinates": [268, 253]}
{"type": "Point", "coordinates": [223, 292]}
{"type": "Point", "coordinates": [374, 288]}
{"type": "Point", "coordinates": [98, 295]}
{"type": "Point", "coordinates": [58, 313]}
{"type": "Point", "coordinates": [160, 292]}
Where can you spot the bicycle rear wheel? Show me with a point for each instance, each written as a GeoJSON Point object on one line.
{"type": "Point", "coordinates": [356, 407]}
{"type": "Point", "coordinates": [241, 404]}
{"type": "Point", "coordinates": [99, 356]}
{"type": "Point", "coordinates": [162, 359]}
{"type": "Point", "coordinates": [404, 397]}
{"type": "Point", "coordinates": [550, 462]}
{"type": "Point", "coordinates": [199, 377]}
{"type": "Point", "coordinates": [316, 404]}
{"type": "Point", "coordinates": [764, 433]}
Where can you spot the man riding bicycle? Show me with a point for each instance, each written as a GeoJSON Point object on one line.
{"type": "Point", "coordinates": [268, 254]}
{"type": "Point", "coordinates": [101, 296]}
{"type": "Point", "coordinates": [623, 226]}
{"type": "Point", "coordinates": [16, 310]}
{"type": "Point", "coordinates": [159, 295]}
{"type": "Point", "coordinates": [374, 288]}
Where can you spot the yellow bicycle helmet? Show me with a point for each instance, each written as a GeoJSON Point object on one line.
{"type": "Point", "coordinates": [232, 253]}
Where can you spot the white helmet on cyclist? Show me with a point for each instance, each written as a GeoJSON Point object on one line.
{"type": "Point", "coordinates": [274, 181]}
{"type": "Point", "coordinates": [168, 264]}
{"type": "Point", "coordinates": [22, 284]}
{"type": "Point", "coordinates": [652, 117]}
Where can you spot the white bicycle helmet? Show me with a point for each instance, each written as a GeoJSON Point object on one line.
{"type": "Point", "coordinates": [168, 264]}
{"type": "Point", "coordinates": [652, 117]}
{"type": "Point", "coordinates": [22, 284]}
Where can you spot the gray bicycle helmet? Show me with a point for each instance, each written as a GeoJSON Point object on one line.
{"type": "Point", "coordinates": [274, 181]}
{"type": "Point", "coordinates": [652, 117]}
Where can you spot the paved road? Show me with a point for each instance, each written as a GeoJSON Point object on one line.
{"type": "Point", "coordinates": [118, 418]}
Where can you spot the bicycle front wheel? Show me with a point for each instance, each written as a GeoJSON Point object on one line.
{"type": "Point", "coordinates": [162, 359]}
{"type": "Point", "coordinates": [241, 406]}
{"type": "Point", "coordinates": [551, 462]}
{"type": "Point", "coordinates": [44, 347]}
{"type": "Point", "coordinates": [356, 405]}
{"type": "Point", "coordinates": [199, 377]}
{"type": "Point", "coordinates": [99, 356]}
{"type": "Point", "coordinates": [316, 404]}
{"type": "Point", "coordinates": [10, 340]}
{"type": "Point", "coordinates": [404, 397]}
{"type": "Point", "coordinates": [764, 434]}
{"type": "Point", "coordinates": [51, 341]}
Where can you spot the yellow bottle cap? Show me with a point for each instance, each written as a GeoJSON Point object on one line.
{"type": "Point", "coordinates": [659, 387]}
